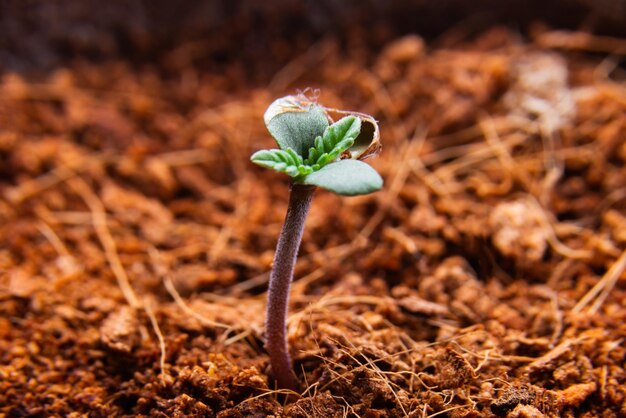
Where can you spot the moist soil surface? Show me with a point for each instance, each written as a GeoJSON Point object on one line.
{"type": "Point", "coordinates": [486, 279]}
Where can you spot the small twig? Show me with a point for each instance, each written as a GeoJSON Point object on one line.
{"type": "Point", "coordinates": [184, 157]}
{"type": "Point", "coordinates": [603, 288]}
{"type": "Point", "coordinates": [37, 185]}
{"type": "Point", "coordinates": [54, 239]}
{"type": "Point", "coordinates": [582, 41]}
{"type": "Point", "coordinates": [551, 355]}
{"type": "Point", "coordinates": [171, 289]}
{"type": "Point", "coordinates": [249, 284]}
{"type": "Point", "coordinates": [99, 221]}
{"type": "Point", "coordinates": [432, 180]}
{"type": "Point", "coordinates": [238, 337]}
{"type": "Point", "coordinates": [502, 153]}
{"type": "Point", "coordinates": [551, 236]}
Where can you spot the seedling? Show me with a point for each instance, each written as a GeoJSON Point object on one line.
{"type": "Point", "coordinates": [315, 152]}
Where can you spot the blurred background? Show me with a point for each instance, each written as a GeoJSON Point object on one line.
{"type": "Point", "coordinates": [126, 129]}
{"type": "Point", "coordinates": [38, 35]}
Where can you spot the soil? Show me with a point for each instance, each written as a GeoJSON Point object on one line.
{"type": "Point", "coordinates": [485, 280]}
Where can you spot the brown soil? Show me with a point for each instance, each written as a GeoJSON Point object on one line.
{"type": "Point", "coordinates": [486, 279]}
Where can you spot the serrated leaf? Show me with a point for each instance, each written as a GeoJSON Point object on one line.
{"type": "Point", "coordinates": [346, 177]}
{"type": "Point", "coordinates": [313, 154]}
{"type": "Point", "coordinates": [367, 143]}
{"type": "Point", "coordinates": [292, 171]}
{"type": "Point", "coordinates": [296, 159]}
{"type": "Point", "coordinates": [319, 144]}
{"type": "Point", "coordinates": [284, 157]}
{"type": "Point", "coordinates": [344, 128]}
{"type": "Point", "coordinates": [337, 138]}
{"type": "Point", "coordinates": [323, 160]}
{"type": "Point", "coordinates": [304, 169]}
{"type": "Point", "coordinates": [284, 161]}
{"type": "Point", "coordinates": [295, 122]}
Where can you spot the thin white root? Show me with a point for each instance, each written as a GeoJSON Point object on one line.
{"type": "Point", "coordinates": [155, 325]}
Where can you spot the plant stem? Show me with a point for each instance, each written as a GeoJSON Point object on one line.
{"type": "Point", "coordinates": [300, 198]}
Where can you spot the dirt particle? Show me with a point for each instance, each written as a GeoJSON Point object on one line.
{"type": "Point", "coordinates": [525, 411]}
{"type": "Point", "coordinates": [518, 231]}
{"type": "Point", "coordinates": [453, 370]}
{"type": "Point", "coordinates": [404, 49]}
{"type": "Point", "coordinates": [576, 394]}
{"type": "Point", "coordinates": [511, 398]}
{"type": "Point", "coordinates": [119, 331]}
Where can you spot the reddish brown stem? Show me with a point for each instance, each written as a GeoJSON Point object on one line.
{"type": "Point", "coordinates": [280, 283]}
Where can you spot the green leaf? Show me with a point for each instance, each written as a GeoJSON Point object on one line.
{"type": "Point", "coordinates": [346, 177]}
{"type": "Point", "coordinates": [295, 124]}
{"type": "Point", "coordinates": [346, 127]}
{"type": "Point", "coordinates": [284, 161]}
{"type": "Point", "coordinates": [337, 138]}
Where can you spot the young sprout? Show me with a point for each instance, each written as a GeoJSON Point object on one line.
{"type": "Point", "coordinates": [315, 152]}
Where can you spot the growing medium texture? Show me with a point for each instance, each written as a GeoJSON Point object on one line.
{"type": "Point", "coordinates": [404, 301]}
